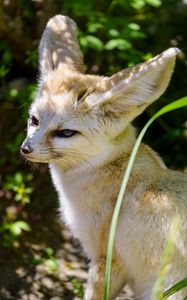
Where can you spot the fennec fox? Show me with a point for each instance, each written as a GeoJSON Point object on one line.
{"type": "Point", "coordinates": [80, 125]}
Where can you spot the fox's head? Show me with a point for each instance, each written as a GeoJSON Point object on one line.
{"type": "Point", "coordinates": [78, 117]}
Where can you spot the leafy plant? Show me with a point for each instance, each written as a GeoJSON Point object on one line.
{"type": "Point", "coordinates": [32, 58]}
{"type": "Point", "coordinates": [46, 258]}
{"type": "Point", "coordinates": [11, 230]}
{"type": "Point", "coordinates": [50, 261]}
{"type": "Point", "coordinates": [6, 58]}
{"type": "Point", "coordinates": [77, 287]}
{"type": "Point", "coordinates": [17, 184]}
{"type": "Point", "coordinates": [18, 190]}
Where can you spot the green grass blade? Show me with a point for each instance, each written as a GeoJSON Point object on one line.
{"type": "Point", "coordinates": [172, 106]}
{"type": "Point", "coordinates": [175, 288]}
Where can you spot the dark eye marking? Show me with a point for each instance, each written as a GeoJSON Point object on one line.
{"type": "Point", "coordinates": [65, 133]}
{"type": "Point", "coordinates": [33, 121]}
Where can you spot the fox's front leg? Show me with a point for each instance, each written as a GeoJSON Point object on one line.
{"type": "Point", "coordinates": [96, 281]}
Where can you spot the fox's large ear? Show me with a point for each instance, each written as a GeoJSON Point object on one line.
{"type": "Point", "coordinates": [130, 91]}
{"type": "Point", "coordinates": [59, 46]}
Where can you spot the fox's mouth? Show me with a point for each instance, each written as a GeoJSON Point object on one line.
{"type": "Point", "coordinates": [32, 155]}
{"type": "Point", "coordinates": [41, 158]}
{"type": "Point", "coordinates": [35, 159]}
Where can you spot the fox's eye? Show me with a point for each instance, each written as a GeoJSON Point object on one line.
{"type": "Point", "coordinates": [65, 133]}
{"type": "Point", "coordinates": [33, 121]}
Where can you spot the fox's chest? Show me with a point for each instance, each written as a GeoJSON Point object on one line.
{"type": "Point", "coordinates": [84, 211]}
{"type": "Point", "coordinates": [89, 225]}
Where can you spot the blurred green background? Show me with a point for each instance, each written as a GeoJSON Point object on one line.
{"type": "Point", "coordinates": [113, 35]}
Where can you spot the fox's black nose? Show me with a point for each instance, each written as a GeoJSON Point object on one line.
{"type": "Point", "coordinates": [26, 148]}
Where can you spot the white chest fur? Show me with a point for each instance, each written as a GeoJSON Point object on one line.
{"type": "Point", "coordinates": [84, 213]}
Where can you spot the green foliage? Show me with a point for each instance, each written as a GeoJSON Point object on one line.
{"type": "Point", "coordinates": [3, 71]}
{"type": "Point", "coordinates": [17, 184]}
{"type": "Point", "coordinates": [6, 58]}
{"type": "Point", "coordinates": [32, 58]}
{"type": "Point", "coordinates": [27, 10]}
{"type": "Point", "coordinates": [174, 289]}
{"type": "Point", "coordinates": [11, 230]}
{"type": "Point", "coordinates": [14, 228]}
{"type": "Point", "coordinates": [47, 259]}
{"type": "Point", "coordinates": [21, 95]}
{"type": "Point", "coordinates": [77, 287]}
{"type": "Point", "coordinates": [50, 261]}
{"type": "Point", "coordinates": [16, 188]}
{"type": "Point", "coordinates": [138, 4]}
{"type": "Point", "coordinates": [90, 41]}
{"type": "Point", "coordinates": [113, 33]}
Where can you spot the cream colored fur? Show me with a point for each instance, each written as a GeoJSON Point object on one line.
{"type": "Point", "coordinates": [88, 167]}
